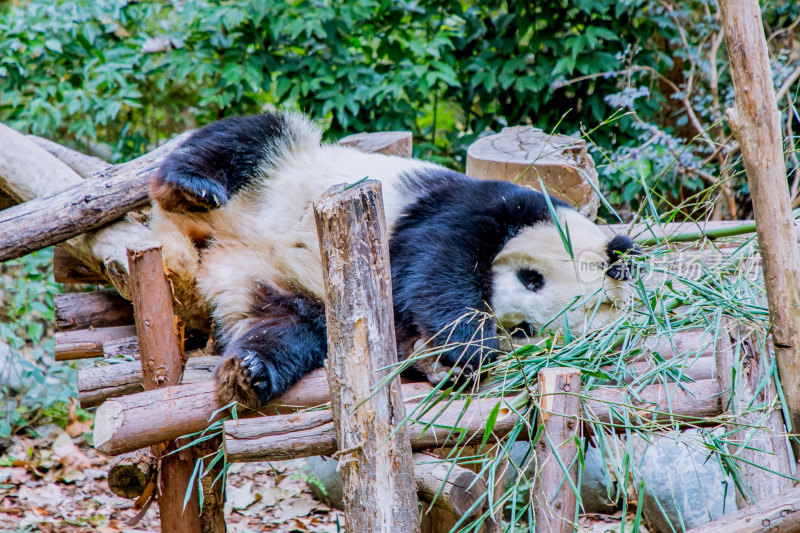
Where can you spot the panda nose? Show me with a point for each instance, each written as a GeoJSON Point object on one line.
{"type": "Point", "coordinates": [523, 329]}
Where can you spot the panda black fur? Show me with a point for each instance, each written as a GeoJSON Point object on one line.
{"type": "Point", "coordinates": [234, 214]}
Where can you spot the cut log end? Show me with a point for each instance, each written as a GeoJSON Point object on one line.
{"type": "Point", "coordinates": [130, 473]}
{"type": "Point", "coordinates": [111, 414]}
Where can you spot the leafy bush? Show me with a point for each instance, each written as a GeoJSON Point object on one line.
{"type": "Point", "coordinates": [127, 74]}
{"type": "Point", "coordinates": [31, 383]}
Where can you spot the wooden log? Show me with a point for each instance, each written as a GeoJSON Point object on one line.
{"type": "Point", "coordinates": [84, 165]}
{"type": "Point", "coordinates": [98, 309]}
{"type": "Point", "coordinates": [138, 420]}
{"type": "Point", "coordinates": [756, 123]}
{"type": "Point", "coordinates": [67, 269]}
{"type": "Point", "coordinates": [28, 171]}
{"type": "Point", "coordinates": [381, 142]}
{"type": "Point", "coordinates": [125, 347]}
{"type": "Point", "coordinates": [84, 206]}
{"type": "Point", "coordinates": [132, 422]}
{"type": "Point", "coordinates": [557, 450]}
{"type": "Point", "coordinates": [354, 242]}
{"type": "Point", "coordinates": [756, 434]}
{"type": "Point", "coordinates": [658, 404]}
{"type": "Point", "coordinates": [130, 473]}
{"type": "Point", "coordinates": [523, 154]}
{"type": "Point", "coordinates": [780, 514]}
{"type": "Point", "coordinates": [161, 352]}
{"type": "Point", "coordinates": [274, 437]}
{"type": "Point", "coordinates": [449, 486]}
{"type": "Point", "coordinates": [97, 384]}
{"type": "Point", "coordinates": [81, 343]}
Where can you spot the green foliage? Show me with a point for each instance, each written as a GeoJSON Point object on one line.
{"type": "Point", "coordinates": [127, 74]}
{"type": "Point", "coordinates": [32, 385]}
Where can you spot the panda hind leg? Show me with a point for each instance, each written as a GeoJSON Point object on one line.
{"type": "Point", "coordinates": [221, 160]}
{"type": "Point", "coordinates": [277, 348]}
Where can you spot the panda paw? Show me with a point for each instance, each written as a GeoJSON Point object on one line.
{"type": "Point", "coordinates": [187, 193]}
{"type": "Point", "coordinates": [241, 378]}
{"type": "Point", "coordinates": [436, 372]}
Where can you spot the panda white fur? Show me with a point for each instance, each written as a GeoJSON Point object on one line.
{"type": "Point", "coordinates": [233, 210]}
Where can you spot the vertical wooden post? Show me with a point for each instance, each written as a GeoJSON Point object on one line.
{"type": "Point", "coordinates": [161, 352]}
{"type": "Point", "coordinates": [375, 456]}
{"type": "Point", "coordinates": [755, 121]}
{"type": "Point", "coordinates": [559, 415]}
{"type": "Point", "coordinates": [760, 434]}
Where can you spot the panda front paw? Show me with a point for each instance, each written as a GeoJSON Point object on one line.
{"type": "Point", "coordinates": [243, 378]}
{"type": "Point", "coordinates": [436, 371]}
{"type": "Point", "coordinates": [187, 193]}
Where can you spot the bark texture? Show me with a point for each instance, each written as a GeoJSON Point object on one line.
{"type": "Point", "coordinates": [559, 416]}
{"type": "Point", "coordinates": [755, 121]}
{"type": "Point", "coordinates": [161, 352]}
{"type": "Point", "coordinates": [82, 343]}
{"type": "Point", "coordinates": [99, 309]}
{"type": "Point", "coordinates": [354, 242]}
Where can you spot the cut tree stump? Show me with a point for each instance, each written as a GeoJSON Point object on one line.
{"type": "Point", "coordinates": [756, 434]}
{"type": "Point", "coordinates": [354, 242]}
{"type": "Point", "coordinates": [160, 348]}
{"type": "Point", "coordinates": [523, 155]}
{"type": "Point", "coordinates": [381, 142]}
{"type": "Point", "coordinates": [99, 309]}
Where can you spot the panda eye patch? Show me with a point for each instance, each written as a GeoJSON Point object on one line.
{"type": "Point", "coordinates": [532, 279]}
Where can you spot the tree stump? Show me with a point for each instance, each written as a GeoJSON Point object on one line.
{"type": "Point", "coordinates": [523, 155]}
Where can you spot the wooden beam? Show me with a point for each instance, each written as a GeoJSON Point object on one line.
{"type": "Point", "coordinates": [161, 352]}
{"type": "Point", "coordinates": [98, 309]}
{"type": "Point", "coordinates": [557, 449]}
{"type": "Point", "coordinates": [756, 124]}
{"type": "Point", "coordinates": [97, 384]}
{"type": "Point", "coordinates": [84, 165]}
{"type": "Point", "coordinates": [132, 422]}
{"type": "Point", "coordinates": [362, 351]}
{"type": "Point", "coordinates": [138, 420]}
{"type": "Point", "coordinates": [67, 269]}
{"type": "Point", "coordinates": [81, 343]}
{"type": "Point", "coordinates": [305, 434]}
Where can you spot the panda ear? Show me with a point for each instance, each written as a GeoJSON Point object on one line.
{"type": "Point", "coordinates": [616, 248]}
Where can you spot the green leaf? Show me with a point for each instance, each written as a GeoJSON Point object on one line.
{"type": "Point", "coordinates": [54, 45]}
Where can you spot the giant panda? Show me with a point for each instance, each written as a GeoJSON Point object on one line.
{"type": "Point", "coordinates": [233, 211]}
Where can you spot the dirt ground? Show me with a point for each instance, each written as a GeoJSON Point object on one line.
{"type": "Point", "coordinates": [57, 483]}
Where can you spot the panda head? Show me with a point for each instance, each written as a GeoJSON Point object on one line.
{"type": "Point", "coordinates": [539, 283]}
